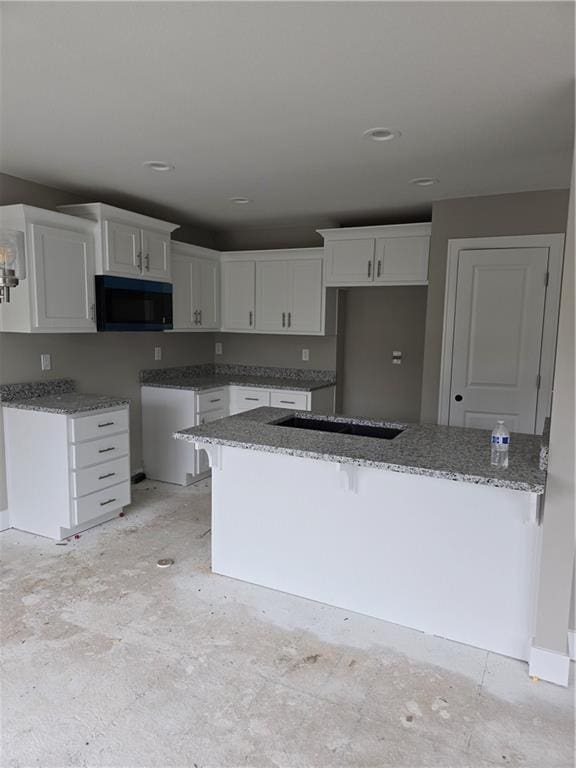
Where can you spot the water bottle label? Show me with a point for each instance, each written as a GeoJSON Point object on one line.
{"type": "Point", "coordinates": [500, 440]}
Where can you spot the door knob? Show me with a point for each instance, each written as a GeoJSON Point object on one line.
{"type": "Point", "coordinates": [458, 398]}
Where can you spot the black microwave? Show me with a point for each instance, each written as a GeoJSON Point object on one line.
{"type": "Point", "coordinates": [127, 304]}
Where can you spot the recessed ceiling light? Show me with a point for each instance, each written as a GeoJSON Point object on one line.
{"type": "Point", "coordinates": [158, 165]}
{"type": "Point", "coordinates": [424, 181]}
{"type": "Point", "coordinates": [381, 134]}
{"type": "Point", "coordinates": [240, 200]}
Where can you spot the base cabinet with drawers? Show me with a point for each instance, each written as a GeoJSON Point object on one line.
{"type": "Point", "coordinates": [66, 473]}
{"type": "Point", "coordinates": [166, 411]}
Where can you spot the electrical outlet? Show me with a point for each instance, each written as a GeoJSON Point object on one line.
{"type": "Point", "coordinates": [157, 353]}
{"type": "Point", "coordinates": [218, 348]}
{"type": "Point", "coordinates": [46, 362]}
{"type": "Point", "coordinates": [396, 358]}
{"type": "Point", "coordinates": [306, 354]}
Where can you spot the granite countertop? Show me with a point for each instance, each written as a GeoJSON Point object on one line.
{"type": "Point", "coordinates": [211, 376]}
{"type": "Point", "coordinates": [451, 453]}
{"type": "Point", "coordinates": [56, 396]}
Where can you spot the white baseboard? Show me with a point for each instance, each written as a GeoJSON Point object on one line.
{"type": "Point", "coordinates": [572, 644]}
{"type": "Point", "coordinates": [549, 665]}
{"type": "Point", "coordinates": [4, 520]}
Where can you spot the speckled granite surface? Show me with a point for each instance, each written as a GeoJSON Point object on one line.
{"type": "Point", "coordinates": [208, 376]}
{"type": "Point", "coordinates": [544, 443]}
{"type": "Point", "coordinates": [57, 396]}
{"type": "Point", "coordinates": [451, 453]}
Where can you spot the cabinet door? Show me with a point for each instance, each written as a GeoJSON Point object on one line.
{"type": "Point", "coordinates": [206, 292]}
{"type": "Point", "coordinates": [305, 288]}
{"type": "Point", "coordinates": [182, 310]}
{"type": "Point", "coordinates": [122, 249]}
{"type": "Point", "coordinates": [63, 279]}
{"type": "Point", "coordinates": [155, 255]}
{"type": "Point", "coordinates": [238, 295]}
{"type": "Point", "coordinates": [350, 261]}
{"type": "Point", "coordinates": [272, 296]}
{"type": "Point", "coordinates": [402, 259]}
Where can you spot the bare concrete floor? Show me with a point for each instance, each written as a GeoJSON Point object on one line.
{"type": "Point", "coordinates": [111, 661]}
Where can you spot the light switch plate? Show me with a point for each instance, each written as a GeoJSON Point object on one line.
{"type": "Point", "coordinates": [305, 354]}
{"type": "Point", "coordinates": [157, 353]}
{"type": "Point", "coordinates": [46, 362]}
{"type": "Point", "coordinates": [218, 348]}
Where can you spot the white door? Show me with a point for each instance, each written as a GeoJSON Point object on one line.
{"type": "Point", "coordinates": [402, 260]}
{"type": "Point", "coordinates": [272, 296]}
{"type": "Point", "coordinates": [155, 255]}
{"type": "Point", "coordinates": [123, 249]}
{"type": "Point", "coordinates": [498, 322]}
{"type": "Point", "coordinates": [238, 295]}
{"type": "Point", "coordinates": [305, 289]}
{"type": "Point", "coordinates": [182, 311]}
{"type": "Point", "coordinates": [63, 279]}
{"type": "Point", "coordinates": [350, 261]}
{"type": "Point", "coordinates": [206, 292]}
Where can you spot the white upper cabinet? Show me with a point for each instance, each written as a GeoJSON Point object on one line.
{"type": "Point", "coordinates": [238, 292]}
{"type": "Point", "coordinates": [196, 288]}
{"type": "Point", "coordinates": [306, 296]}
{"type": "Point", "coordinates": [272, 296]}
{"type": "Point", "coordinates": [394, 255]}
{"type": "Point", "coordinates": [57, 294]}
{"type": "Point", "coordinates": [128, 244]}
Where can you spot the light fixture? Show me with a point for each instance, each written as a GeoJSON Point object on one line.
{"type": "Point", "coordinates": [381, 134]}
{"type": "Point", "coordinates": [424, 181]}
{"type": "Point", "coordinates": [12, 268]}
{"type": "Point", "coordinates": [158, 165]}
{"type": "Point", "coordinates": [240, 200]}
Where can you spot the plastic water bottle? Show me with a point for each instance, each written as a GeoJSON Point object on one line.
{"type": "Point", "coordinates": [499, 443]}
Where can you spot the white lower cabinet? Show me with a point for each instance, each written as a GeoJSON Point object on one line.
{"type": "Point", "coordinates": [80, 477]}
{"type": "Point", "coordinates": [166, 411]}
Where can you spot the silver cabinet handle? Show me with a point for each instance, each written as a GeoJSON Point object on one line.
{"type": "Point", "coordinates": [283, 319]}
{"type": "Point", "coordinates": [103, 477]}
{"type": "Point", "coordinates": [216, 400]}
{"type": "Point", "coordinates": [93, 312]}
{"type": "Point", "coordinates": [139, 260]}
{"type": "Point", "coordinates": [105, 450]}
{"type": "Point", "coordinates": [195, 315]}
{"type": "Point", "coordinates": [200, 317]}
{"type": "Point", "coordinates": [106, 424]}
{"type": "Point", "coordinates": [288, 402]}
{"type": "Point", "coordinates": [369, 269]}
{"type": "Point", "coordinates": [289, 319]}
{"type": "Point", "coordinates": [250, 316]}
{"type": "Point", "coordinates": [103, 503]}
{"type": "Point", "coordinates": [379, 268]}
{"type": "Point", "coordinates": [254, 399]}
{"type": "Point", "coordinates": [147, 262]}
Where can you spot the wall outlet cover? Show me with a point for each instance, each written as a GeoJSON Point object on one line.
{"type": "Point", "coordinates": [46, 362]}
{"type": "Point", "coordinates": [157, 353]}
{"type": "Point", "coordinates": [218, 348]}
{"type": "Point", "coordinates": [306, 354]}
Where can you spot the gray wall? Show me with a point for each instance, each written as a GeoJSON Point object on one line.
{"type": "Point", "coordinates": [376, 321]}
{"type": "Point", "coordinates": [282, 351]}
{"type": "Point", "coordinates": [557, 560]}
{"type": "Point", "coordinates": [524, 213]}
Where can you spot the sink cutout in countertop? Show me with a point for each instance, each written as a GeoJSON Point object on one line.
{"type": "Point", "coordinates": [339, 427]}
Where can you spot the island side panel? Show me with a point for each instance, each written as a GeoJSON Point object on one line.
{"type": "Point", "coordinates": [448, 558]}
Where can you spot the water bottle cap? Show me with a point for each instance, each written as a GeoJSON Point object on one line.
{"type": "Point", "coordinates": [500, 421]}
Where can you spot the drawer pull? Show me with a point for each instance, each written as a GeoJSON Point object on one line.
{"type": "Point", "coordinates": [216, 400]}
{"type": "Point", "coordinates": [106, 424]}
{"type": "Point", "coordinates": [255, 399]}
{"type": "Point", "coordinates": [103, 503]}
{"type": "Point", "coordinates": [103, 477]}
{"type": "Point", "coordinates": [288, 402]}
{"type": "Point", "coordinates": [105, 450]}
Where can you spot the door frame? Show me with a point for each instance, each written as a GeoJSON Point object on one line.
{"type": "Point", "coordinates": [555, 245]}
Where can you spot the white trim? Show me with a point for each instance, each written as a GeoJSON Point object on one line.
{"type": "Point", "coordinates": [555, 244]}
{"type": "Point", "coordinates": [572, 644]}
{"type": "Point", "coordinates": [4, 519]}
{"type": "Point", "coordinates": [272, 254]}
{"type": "Point", "coordinates": [547, 665]}
{"type": "Point", "coordinates": [394, 230]}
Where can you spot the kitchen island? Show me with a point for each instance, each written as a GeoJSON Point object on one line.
{"type": "Point", "coordinates": [410, 524]}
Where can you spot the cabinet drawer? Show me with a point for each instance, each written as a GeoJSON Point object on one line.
{"type": "Point", "coordinates": [212, 401]}
{"type": "Point", "coordinates": [98, 451]}
{"type": "Point", "coordinates": [98, 503]}
{"type": "Point", "coordinates": [206, 418]}
{"type": "Point", "coordinates": [98, 425]}
{"type": "Point", "coordinates": [245, 399]}
{"type": "Point", "coordinates": [92, 479]}
{"type": "Point", "coordinates": [287, 399]}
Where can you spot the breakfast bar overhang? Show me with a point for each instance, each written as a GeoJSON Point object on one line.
{"type": "Point", "coordinates": [418, 530]}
